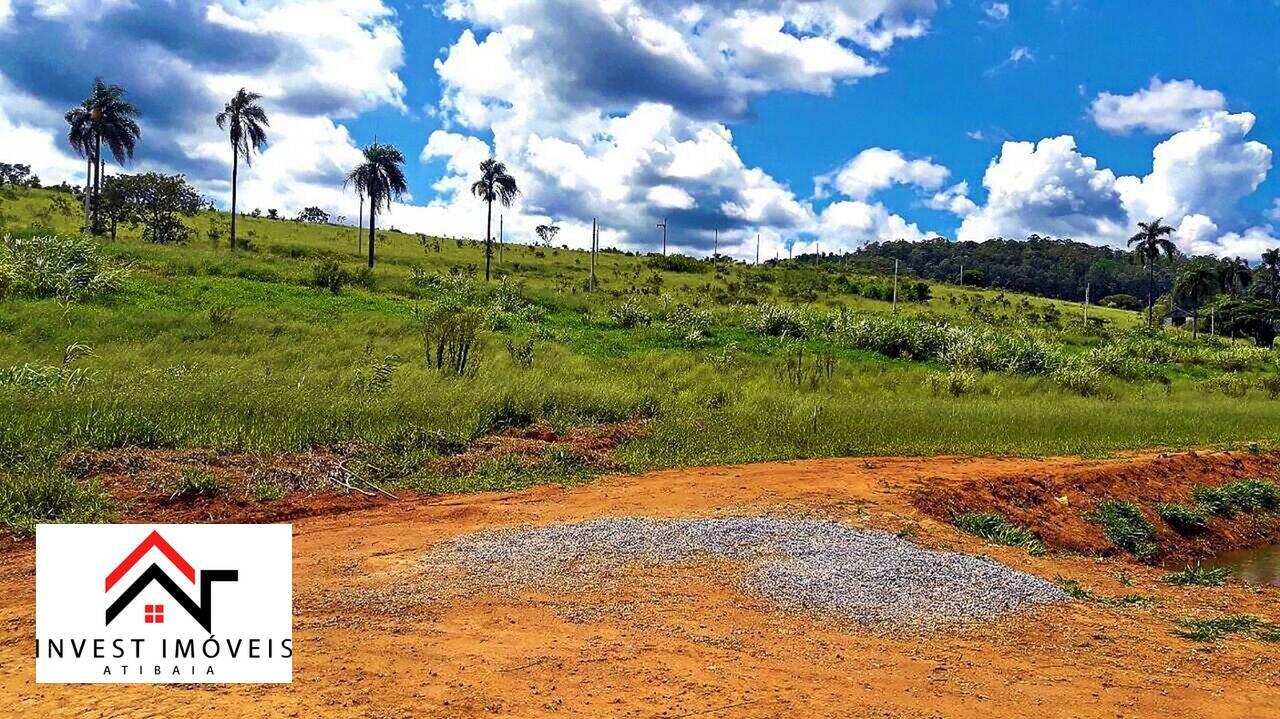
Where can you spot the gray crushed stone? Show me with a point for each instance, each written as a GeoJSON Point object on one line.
{"type": "Point", "coordinates": [867, 576]}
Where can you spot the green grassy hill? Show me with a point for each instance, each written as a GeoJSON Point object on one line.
{"type": "Point", "coordinates": [200, 346]}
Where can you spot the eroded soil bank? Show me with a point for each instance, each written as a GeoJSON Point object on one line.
{"type": "Point", "coordinates": [375, 638]}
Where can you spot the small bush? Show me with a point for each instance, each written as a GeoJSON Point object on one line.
{"type": "Point", "coordinates": [193, 483]}
{"type": "Point", "coordinates": [995, 528]}
{"type": "Point", "coordinates": [1271, 385]}
{"type": "Point", "coordinates": [956, 382]}
{"type": "Point", "coordinates": [630, 314]}
{"type": "Point", "coordinates": [327, 274]}
{"type": "Point", "coordinates": [1231, 385]}
{"type": "Point", "coordinates": [1184, 519]}
{"type": "Point", "coordinates": [1126, 527]}
{"type": "Point", "coordinates": [690, 324]}
{"type": "Point", "coordinates": [267, 491]}
{"type": "Point", "coordinates": [774, 321]}
{"type": "Point", "coordinates": [1199, 576]}
{"type": "Point", "coordinates": [1074, 589]}
{"type": "Point", "coordinates": [220, 315]}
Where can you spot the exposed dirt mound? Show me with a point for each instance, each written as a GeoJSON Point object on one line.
{"type": "Point", "coordinates": [149, 484]}
{"type": "Point", "coordinates": [590, 447]}
{"type": "Point", "coordinates": [1053, 503]}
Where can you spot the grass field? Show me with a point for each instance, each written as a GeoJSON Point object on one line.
{"type": "Point", "coordinates": [204, 347]}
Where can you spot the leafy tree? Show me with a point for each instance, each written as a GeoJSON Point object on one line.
{"type": "Point", "coordinates": [247, 123]}
{"type": "Point", "coordinates": [1151, 241]}
{"type": "Point", "coordinates": [381, 178]}
{"type": "Point", "coordinates": [155, 202]}
{"type": "Point", "coordinates": [1121, 302]}
{"type": "Point", "coordinates": [314, 215]}
{"type": "Point", "coordinates": [547, 233]}
{"type": "Point", "coordinates": [19, 175]}
{"type": "Point", "coordinates": [1257, 319]}
{"type": "Point", "coordinates": [1271, 268]}
{"type": "Point", "coordinates": [495, 184]}
{"type": "Point", "coordinates": [273, 214]}
{"type": "Point", "coordinates": [1198, 282]}
{"type": "Point", "coordinates": [112, 120]}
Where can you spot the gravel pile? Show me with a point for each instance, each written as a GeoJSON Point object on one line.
{"type": "Point", "coordinates": [871, 577]}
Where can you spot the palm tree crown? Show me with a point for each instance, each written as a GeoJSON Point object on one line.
{"type": "Point", "coordinates": [381, 178]}
{"type": "Point", "coordinates": [1198, 282]}
{"type": "Point", "coordinates": [248, 123]}
{"type": "Point", "coordinates": [81, 137]}
{"type": "Point", "coordinates": [1151, 241]}
{"type": "Point", "coordinates": [495, 185]}
{"type": "Point", "coordinates": [1235, 275]}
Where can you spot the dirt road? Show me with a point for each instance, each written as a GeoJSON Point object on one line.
{"type": "Point", "coordinates": [371, 642]}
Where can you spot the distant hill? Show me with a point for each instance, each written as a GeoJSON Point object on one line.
{"type": "Point", "coordinates": [1036, 265]}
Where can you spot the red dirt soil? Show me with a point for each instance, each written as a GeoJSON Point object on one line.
{"type": "Point", "coordinates": [369, 643]}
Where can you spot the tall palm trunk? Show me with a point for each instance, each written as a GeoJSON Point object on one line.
{"type": "Point", "coordinates": [235, 176]}
{"type": "Point", "coordinates": [1151, 291]}
{"type": "Point", "coordinates": [373, 215]}
{"type": "Point", "coordinates": [488, 241]}
{"type": "Point", "coordinates": [88, 189]}
{"type": "Point", "coordinates": [95, 225]}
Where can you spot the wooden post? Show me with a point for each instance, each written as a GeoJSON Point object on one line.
{"type": "Point", "coordinates": [757, 248]}
{"type": "Point", "coordinates": [500, 219]}
{"type": "Point", "coordinates": [663, 226]}
{"type": "Point", "coordinates": [715, 249]}
{"type": "Point", "coordinates": [962, 274]}
{"type": "Point", "coordinates": [591, 282]}
{"type": "Point", "coordinates": [895, 287]}
{"type": "Point", "coordinates": [1086, 302]}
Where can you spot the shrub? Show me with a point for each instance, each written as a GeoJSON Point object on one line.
{"type": "Point", "coordinates": [1231, 385]}
{"type": "Point", "coordinates": [67, 268]}
{"type": "Point", "coordinates": [450, 338]}
{"type": "Point", "coordinates": [220, 315]}
{"type": "Point", "coordinates": [1271, 385]}
{"type": "Point", "coordinates": [956, 382]}
{"type": "Point", "coordinates": [1079, 378]}
{"type": "Point", "coordinates": [688, 323]}
{"type": "Point", "coordinates": [677, 263]}
{"type": "Point", "coordinates": [328, 274]}
{"type": "Point", "coordinates": [1126, 527]}
{"type": "Point", "coordinates": [521, 353]}
{"type": "Point", "coordinates": [630, 314]}
{"type": "Point", "coordinates": [774, 321]}
{"type": "Point", "coordinates": [1199, 576]}
{"type": "Point", "coordinates": [995, 528]}
{"type": "Point", "coordinates": [1185, 520]}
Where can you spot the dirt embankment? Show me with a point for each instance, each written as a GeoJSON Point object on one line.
{"type": "Point", "coordinates": [1054, 502]}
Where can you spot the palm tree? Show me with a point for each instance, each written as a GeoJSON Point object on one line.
{"type": "Point", "coordinates": [381, 178]}
{"type": "Point", "coordinates": [495, 183]}
{"type": "Point", "coordinates": [1271, 263]}
{"type": "Point", "coordinates": [1198, 282]}
{"type": "Point", "coordinates": [80, 136]}
{"type": "Point", "coordinates": [248, 122]}
{"type": "Point", "coordinates": [112, 120]}
{"type": "Point", "coordinates": [1235, 275]}
{"type": "Point", "coordinates": [1151, 241]}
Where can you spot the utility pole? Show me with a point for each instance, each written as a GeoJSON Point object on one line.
{"type": "Point", "coordinates": [500, 218]}
{"type": "Point", "coordinates": [663, 226]}
{"type": "Point", "coordinates": [962, 274]}
{"type": "Point", "coordinates": [817, 252]}
{"type": "Point", "coordinates": [360, 226]}
{"type": "Point", "coordinates": [895, 287]}
{"type": "Point", "coordinates": [1087, 286]}
{"type": "Point", "coordinates": [715, 249]}
{"type": "Point", "coordinates": [591, 283]}
{"type": "Point", "coordinates": [757, 248]}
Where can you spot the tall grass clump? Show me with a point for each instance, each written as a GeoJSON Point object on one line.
{"type": "Point", "coordinates": [1183, 519]}
{"type": "Point", "coordinates": [774, 321]}
{"type": "Point", "coordinates": [1212, 630]}
{"type": "Point", "coordinates": [993, 527]}
{"type": "Point", "coordinates": [1246, 495]}
{"type": "Point", "coordinates": [1198, 576]}
{"type": "Point", "coordinates": [46, 495]}
{"type": "Point", "coordinates": [70, 269]}
{"type": "Point", "coordinates": [1124, 524]}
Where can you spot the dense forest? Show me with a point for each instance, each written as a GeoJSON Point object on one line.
{"type": "Point", "coordinates": [1037, 265]}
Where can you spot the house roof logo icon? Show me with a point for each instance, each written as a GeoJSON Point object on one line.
{"type": "Point", "coordinates": [201, 611]}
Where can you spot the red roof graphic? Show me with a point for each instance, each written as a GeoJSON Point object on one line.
{"type": "Point", "coordinates": [153, 540]}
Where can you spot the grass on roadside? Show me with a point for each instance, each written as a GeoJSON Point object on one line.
{"type": "Point", "coordinates": [1217, 628]}
{"type": "Point", "coordinates": [1199, 576]}
{"type": "Point", "coordinates": [1126, 527]}
{"type": "Point", "coordinates": [1074, 589]}
{"type": "Point", "coordinates": [993, 527]}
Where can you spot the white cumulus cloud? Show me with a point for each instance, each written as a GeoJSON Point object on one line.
{"type": "Point", "coordinates": [1161, 107]}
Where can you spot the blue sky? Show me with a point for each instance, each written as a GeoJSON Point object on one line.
{"type": "Point", "coordinates": [832, 121]}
